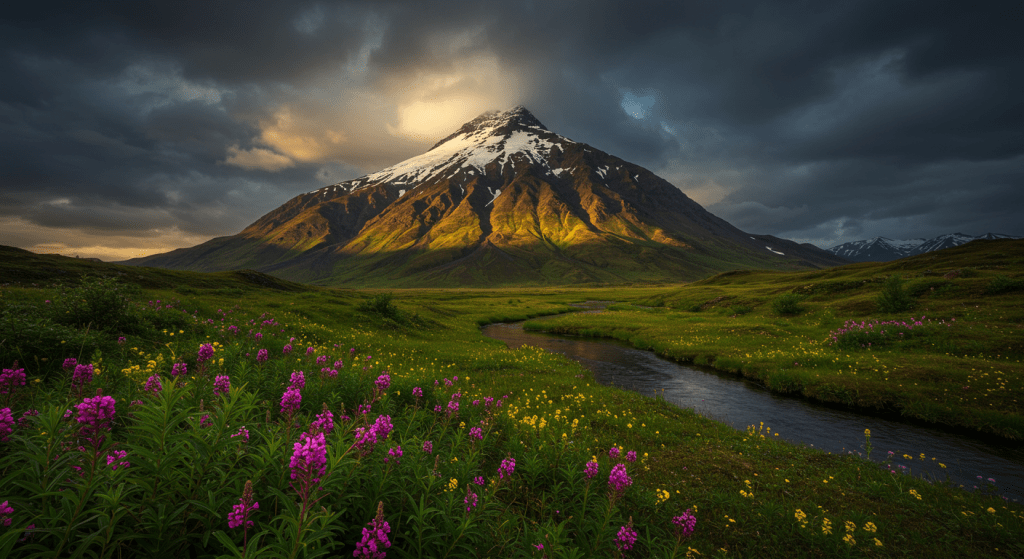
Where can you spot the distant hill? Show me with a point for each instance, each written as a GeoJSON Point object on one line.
{"type": "Point", "coordinates": [501, 201]}
{"type": "Point", "coordinates": [881, 249]}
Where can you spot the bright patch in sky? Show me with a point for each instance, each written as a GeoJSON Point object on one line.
{"type": "Point", "coordinates": [638, 106]}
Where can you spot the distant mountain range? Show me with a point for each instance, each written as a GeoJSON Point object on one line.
{"type": "Point", "coordinates": [881, 249]}
{"type": "Point", "coordinates": [502, 201]}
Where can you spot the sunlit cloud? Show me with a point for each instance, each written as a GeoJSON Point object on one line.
{"type": "Point", "coordinates": [258, 158]}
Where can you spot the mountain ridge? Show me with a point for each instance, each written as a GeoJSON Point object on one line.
{"type": "Point", "coordinates": [501, 201]}
{"type": "Point", "coordinates": [883, 249]}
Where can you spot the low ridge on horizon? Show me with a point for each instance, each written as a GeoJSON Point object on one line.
{"type": "Point", "coordinates": [500, 201]}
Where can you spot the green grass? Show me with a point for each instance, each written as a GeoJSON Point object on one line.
{"type": "Point", "coordinates": [746, 487]}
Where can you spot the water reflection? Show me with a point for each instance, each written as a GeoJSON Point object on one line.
{"type": "Point", "coordinates": [740, 402]}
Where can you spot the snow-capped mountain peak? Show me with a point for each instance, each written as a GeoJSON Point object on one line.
{"type": "Point", "coordinates": [498, 137]}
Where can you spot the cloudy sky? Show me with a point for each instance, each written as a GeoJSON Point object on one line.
{"type": "Point", "coordinates": [130, 128]}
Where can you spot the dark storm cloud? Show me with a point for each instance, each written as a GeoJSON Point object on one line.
{"type": "Point", "coordinates": [820, 121]}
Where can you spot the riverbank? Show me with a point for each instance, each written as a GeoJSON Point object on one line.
{"type": "Point", "coordinates": [751, 494]}
{"type": "Point", "coordinates": [954, 359]}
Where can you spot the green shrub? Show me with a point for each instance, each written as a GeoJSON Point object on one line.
{"type": "Point", "coordinates": [788, 303]}
{"type": "Point", "coordinates": [99, 303]}
{"type": "Point", "coordinates": [740, 310]}
{"type": "Point", "coordinates": [381, 304]}
{"type": "Point", "coordinates": [894, 298]}
{"type": "Point", "coordinates": [1002, 284]}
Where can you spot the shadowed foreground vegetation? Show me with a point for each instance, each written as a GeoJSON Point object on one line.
{"type": "Point", "coordinates": [162, 475]}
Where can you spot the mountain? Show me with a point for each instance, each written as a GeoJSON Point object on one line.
{"type": "Point", "coordinates": [501, 201]}
{"type": "Point", "coordinates": [881, 249]}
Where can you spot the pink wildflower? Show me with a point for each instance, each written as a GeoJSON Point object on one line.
{"type": "Point", "coordinates": [508, 465]}
{"type": "Point", "coordinates": [685, 524]}
{"type": "Point", "coordinates": [262, 356]}
{"type": "Point", "coordinates": [10, 379]}
{"type": "Point", "coordinates": [239, 515]}
{"type": "Point", "coordinates": [179, 369]}
{"type": "Point", "coordinates": [626, 537]}
{"type": "Point", "coordinates": [590, 470]}
{"type": "Point", "coordinates": [153, 384]}
{"type": "Point", "coordinates": [117, 459]}
{"type": "Point", "coordinates": [290, 401]}
{"type": "Point", "coordinates": [375, 539]}
{"type": "Point", "coordinates": [309, 458]}
{"type": "Point", "coordinates": [221, 385]}
{"type": "Point", "coordinates": [5, 511]}
{"type": "Point", "coordinates": [6, 423]}
{"type": "Point", "coordinates": [619, 480]}
{"type": "Point", "coordinates": [298, 379]}
{"type": "Point", "coordinates": [205, 353]}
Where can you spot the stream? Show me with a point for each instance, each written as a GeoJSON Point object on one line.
{"type": "Point", "coordinates": [740, 402]}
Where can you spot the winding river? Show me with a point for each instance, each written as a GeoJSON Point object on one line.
{"type": "Point", "coordinates": [740, 402]}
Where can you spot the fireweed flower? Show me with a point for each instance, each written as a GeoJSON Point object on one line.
{"type": "Point", "coordinates": [324, 422]}
{"type": "Point", "coordinates": [179, 369]}
{"type": "Point", "coordinates": [298, 380]}
{"type": "Point", "coordinates": [242, 432]}
{"type": "Point", "coordinates": [10, 379]}
{"type": "Point", "coordinates": [309, 458]}
{"type": "Point", "coordinates": [383, 382]}
{"type": "Point", "coordinates": [322, 360]}
{"type": "Point", "coordinates": [205, 353]}
{"type": "Point", "coordinates": [262, 356]}
{"type": "Point", "coordinates": [619, 480]}
{"type": "Point", "coordinates": [117, 460]}
{"type": "Point", "coordinates": [417, 392]}
{"type": "Point", "coordinates": [221, 385]}
{"type": "Point", "coordinates": [290, 401]}
{"type": "Point", "coordinates": [476, 433]}
{"type": "Point", "coordinates": [153, 384]}
{"type": "Point", "coordinates": [508, 465]}
{"type": "Point", "coordinates": [286, 349]}
{"type": "Point", "coordinates": [428, 446]}
{"type": "Point", "coordinates": [471, 498]}
{"type": "Point", "coordinates": [70, 363]}
{"type": "Point", "coordinates": [310, 350]}
{"type": "Point", "coordinates": [239, 515]}
{"type": "Point", "coordinates": [479, 480]}
{"type": "Point", "coordinates": [590, 470]}
{"type": "Point", "coordinates": [95, 415]}
{"type": "Point", "coordinates": [613, 453]}
{"type": "Point", "coordinates": [631, 456]}
{"type": "Point", "coordinates": [685, 524]}
{"type": "Point", "coordinates": [626, 537]}
{"type": "Point", "coordinates": [375, 538]}
{"type": "Point", "coordinates": [5, 513]}
{"type": "Point", "coordinates": [383, 426]}
{"type": "Point", "coordinates": [6, 423]}
{"type": "Point", "coordinates": [81, 377]}
{"type": "Point", "coordinates": [395, 453]}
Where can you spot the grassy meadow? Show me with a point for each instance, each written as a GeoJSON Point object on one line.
{"type": "Point", "coordinates": [406, 415]}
